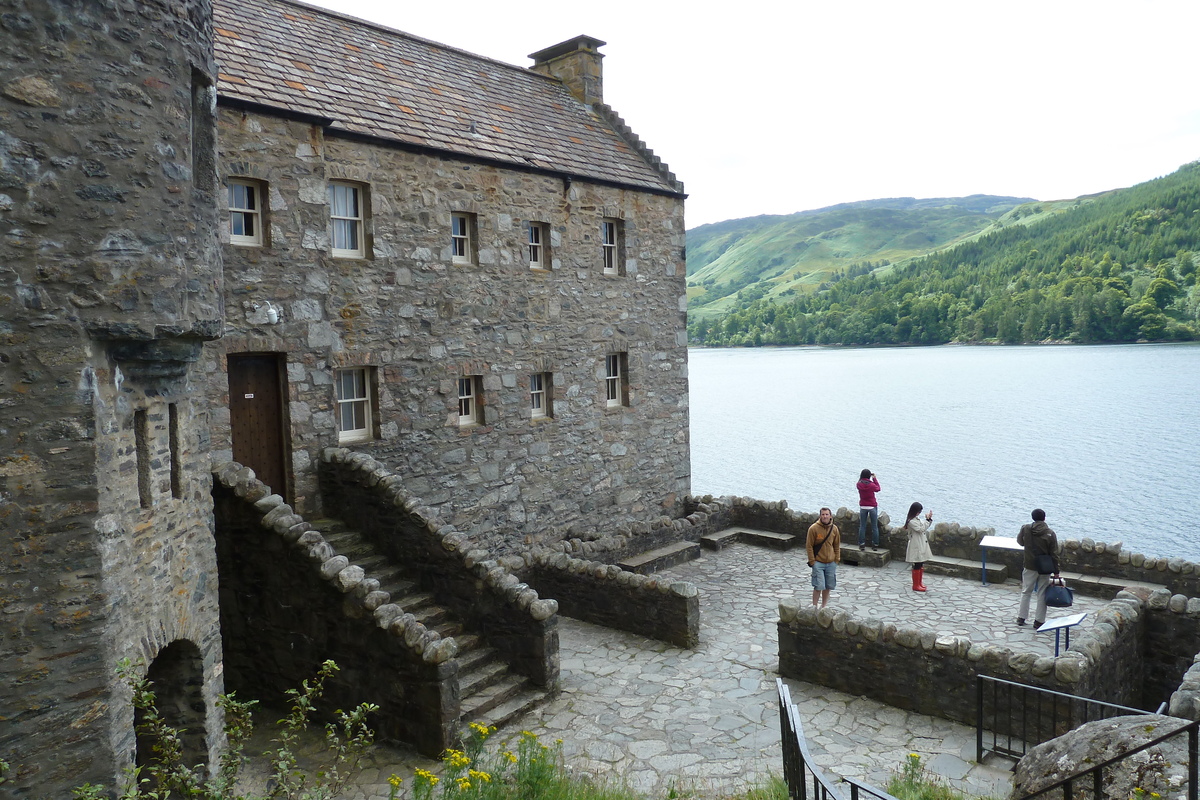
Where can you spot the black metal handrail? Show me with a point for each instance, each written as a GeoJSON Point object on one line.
{"type": "Point", "coordinates": [1096, 773]}
{"type": "Point", "coordinates": [797, 760]}
{"type": "Point", "coordinates": [857, 786]}
{"type": "Point", "coordinates": [1022, 716]}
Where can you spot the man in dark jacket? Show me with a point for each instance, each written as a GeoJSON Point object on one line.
{"type": "Point", "coordinates": [1038, 540]}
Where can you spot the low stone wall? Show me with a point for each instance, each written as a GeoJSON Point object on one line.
{"type": "Point", "coordinates": [483, 592]}
{"type": "Point", "coordinates": [288, 603]}
{"type": "Point", "coordinates": [935, 674]}
{"type": "Point", "coordinates": [605, 594]}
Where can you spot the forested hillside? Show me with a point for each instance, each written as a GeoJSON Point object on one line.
{"type": "Point", "coordinates": [1118, 268]}
{"type": "Point", "coordinates": [781, 256]}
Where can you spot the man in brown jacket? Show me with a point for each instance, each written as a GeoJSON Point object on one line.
{"type": "Point", "coordinates": [824, 553]}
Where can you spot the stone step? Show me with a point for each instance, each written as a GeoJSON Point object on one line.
{"type": "Point", "coordinates": [492, 697]}
{"type": "Point", "coordinates": [479, 677]}
{"type": "Point", "coordinates": [521, 702]}
{"type": "Point", "coordinates": [661, 558]}
{"type": "Point", "coordinates": [470, 655]}
{"type": "Point", "coordinates": [865, 556]}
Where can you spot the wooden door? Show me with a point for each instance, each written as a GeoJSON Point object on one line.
{"type": "Point", "coordinates": [256, 417]}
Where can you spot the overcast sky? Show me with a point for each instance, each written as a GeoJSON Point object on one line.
{"type": "Point", "coordinates": [775, 107]}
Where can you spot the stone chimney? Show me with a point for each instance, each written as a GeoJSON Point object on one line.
{"type": "Point", "coordinates": [575, 62]}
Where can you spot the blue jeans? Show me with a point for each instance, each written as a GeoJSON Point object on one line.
{"type": "Point", "coordinates": [863, 515]}
{"type": "Point", "coordinates": [824, 576]}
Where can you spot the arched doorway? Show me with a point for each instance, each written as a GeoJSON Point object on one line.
{"type": "Point", "coordinates": [177, 678]}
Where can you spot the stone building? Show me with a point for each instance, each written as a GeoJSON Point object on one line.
{"type": "Point", "coordinates": [471, 271]}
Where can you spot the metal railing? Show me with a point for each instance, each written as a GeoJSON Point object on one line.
{"type": "Point", "coordinates": [1095, 775]}
{"type": "Point", "coordinates": [798, 766]}
{"type": "Point", "coordinates": [1019, 716]}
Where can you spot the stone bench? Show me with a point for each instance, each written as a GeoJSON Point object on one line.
{"type": "Point", "coordinates": [865, 556]}
{"type": "Point", "coordinates": [724, 538]}
{"type": "Point", "coordinates": [661, 558]}
{"type": "Point", "coordinates": [1104, 587]}
{"type": "Point", "coordinates": [965, 568]}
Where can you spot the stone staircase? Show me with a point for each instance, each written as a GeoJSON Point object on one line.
{"type": "Point", "coordinates": [490, 692]}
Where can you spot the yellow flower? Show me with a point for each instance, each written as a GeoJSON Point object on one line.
{"type": "Point", "coordinates": [480, 776]}
{"type": "Point", "coordinates": [457, 759]}
{"type": "Point", "coordinates": [464, 784]}
{"type": "Point", "coordinates": [394, 780]}
{"type": "Point", "coordinates": [427, 776]}
{"type": "Point", "coordinates": [914, 755]}
{"type": "Point", "coordinates": [529, 734]}
{"type": "Point", "coordinates": [483, 730]}
{"type": "Point", "coordinates": [512, 759]}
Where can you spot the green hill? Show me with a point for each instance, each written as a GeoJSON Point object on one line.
{"type": "Point", "coordinates": [1113, 267]}
{"type": "Point", "coordinates": [780, 256]}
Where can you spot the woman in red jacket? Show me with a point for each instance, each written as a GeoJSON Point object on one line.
{"type": "Point", "coordinates": [868, 508]}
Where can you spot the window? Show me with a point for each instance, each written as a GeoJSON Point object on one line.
{"type": "Point", "coordinates": [174, 437]}
{"type": "Point", "coordinates": [346, 209]}
{"type": "Point", "coordinates": [141, 439]}
{"type": "Point", "coordinates": [615, 380]}
{"type": "Point", "coordinates": [461, 238]}
{"type": "Point", "coordinates": [610, 246]}
{"type": "Point", "coordinates": [354, 405]}
{"type": "Point", "coordinates": [539, 245]}
{"type": "Point", "coordinates": [540, 395]}
{"type": "Point", "coordinates": [245, 213]}
{"type": "Point", "coordinates": [468, 401]}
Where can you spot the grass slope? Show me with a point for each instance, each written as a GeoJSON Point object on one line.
{"type": "Point", "coordinates": [780, 256]}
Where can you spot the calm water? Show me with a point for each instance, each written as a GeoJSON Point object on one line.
{"type": "Point", "coordinates": [1106, 439]}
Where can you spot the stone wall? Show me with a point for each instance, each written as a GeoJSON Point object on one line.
{"type": "Point", "coordinates": [605, 594]}
{"type": "Point", "coordinates": [109, 282]}
{"type": "Point", "coordinates": [421, 321]}
{"type": "Point", "coordinates": [936, 674]}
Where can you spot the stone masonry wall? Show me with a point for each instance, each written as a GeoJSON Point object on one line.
{"type": "Point", "coordinates": [935, 674]}
{"type": "Point", "coordinates": [604, 594]}
{"type": "Point", "coordinates": [421, 322]}
{"type": "Point", "coordinates": [109, 280]}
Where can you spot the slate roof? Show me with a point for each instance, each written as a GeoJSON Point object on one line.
{"type": "Point", "coordinates": [372, 80]}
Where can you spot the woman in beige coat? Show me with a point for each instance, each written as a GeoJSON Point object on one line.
{"type": "Point", "coordinates": [918, 551]}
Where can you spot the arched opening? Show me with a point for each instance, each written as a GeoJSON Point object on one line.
{"type": "Point", "coordinates": [177, 678]}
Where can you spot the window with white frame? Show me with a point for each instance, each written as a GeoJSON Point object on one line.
{"type": "Point", "coordinates": [615, 379]}
{"type": "Point", "coordinates": [245, 213]}
{"type": "Point", "coordinates": [611, 231]}
{"type": "Point", "coordinates": [346, 210]}
{"type": "Point", "coordinates": [469, 407]}
{"type": "Point", "coordinates": [461, 236]}
{"type": "Point", "coordinates": [539, 245]}
{"type": "Point", "coordinates": [540, 395]}
{"type": "Point", "coordinates": [355, 423]}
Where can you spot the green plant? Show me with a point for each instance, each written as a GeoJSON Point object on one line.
{"type": "Point", "coordinates": [166, 775]}
{"type": "Point", "coordinates": [914, 782]}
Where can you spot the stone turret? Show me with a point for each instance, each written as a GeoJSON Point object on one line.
{"type": "Point", "coordinates": [575, 62]}
{"type": "Point", "coordinates": [110, 281]}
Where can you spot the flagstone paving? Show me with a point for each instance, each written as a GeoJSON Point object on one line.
{"type": "Point", "coordinates": [658, 717]}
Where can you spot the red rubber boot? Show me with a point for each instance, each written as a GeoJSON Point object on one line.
{"type": "Point", "coordinates": [917, 587]}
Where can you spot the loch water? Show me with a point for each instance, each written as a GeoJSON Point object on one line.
{"type": "Point", "coordinates": [1105, 438]}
